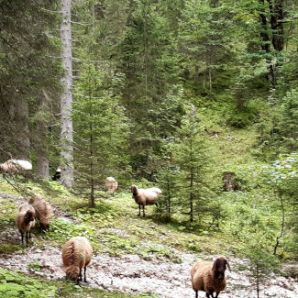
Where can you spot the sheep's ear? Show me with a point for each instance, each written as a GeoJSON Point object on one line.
{"type": "Point", "coordinates": [228, 265]}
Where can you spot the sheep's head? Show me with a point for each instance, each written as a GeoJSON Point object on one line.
{"type": "Point", "coordinates": [134, 190]}
{"type": "Point", "coordinates": [72, 273]}
{"type": "Point", "coordinates": [30, 215]}
{"type": "Point", "coordinates": [219, 267]}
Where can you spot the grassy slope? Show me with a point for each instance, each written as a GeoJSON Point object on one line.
{"type": "Point", "coordinates": [113, 226]}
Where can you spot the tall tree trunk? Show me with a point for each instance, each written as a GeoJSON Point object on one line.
{"type": "Point", "coordinates": [276, 21]}
{"type": "Point", "coordinates": [42, 170]}
{"type": "Point", "coordinates": [20, 112]}
{"type": "Point", "coordinates": [66, 99]}
{"type": "Point", "coordinates": [265, 39]}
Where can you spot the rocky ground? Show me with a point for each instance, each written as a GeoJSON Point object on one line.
{"type": "Point", "coordinates": [132, 274]}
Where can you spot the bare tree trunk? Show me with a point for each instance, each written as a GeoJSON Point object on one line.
{"type": "Point", "coordinates": [66, 99]}
{"type": "Point", "coordinates": [20, 115]}
{"type": "Point", "coordinates": [41, 143]}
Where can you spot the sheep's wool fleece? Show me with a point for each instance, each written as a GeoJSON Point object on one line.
{"type": "Point", "coordinates": [202, 278]}
{"type": "Point", "coordinates": [44, 211]}
{"type": "Point", "coordinates": [77, 251]}
{"type": "Point", "coordinates": [22, 226]}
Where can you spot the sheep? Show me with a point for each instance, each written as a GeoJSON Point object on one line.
{"type": "Point", "coordinates": [111, 184]}
{"type": "Point", "coordinates": [144, 197]}
{"type": "Point", "coordinates": [43, 211]}
{"type": "Point", "coordinates": [25, 221]}
{"type": "Point", "coordinates": [76, 254]}
{"type": "Point", "coordinates": [15, 166]}
{"type": "Point", "coordinates": [209, 276]}
{"type": "Point", "coordinates": [57, 175]}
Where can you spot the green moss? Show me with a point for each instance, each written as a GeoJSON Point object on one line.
{"type": "Point", "coordinates": [9, 248]}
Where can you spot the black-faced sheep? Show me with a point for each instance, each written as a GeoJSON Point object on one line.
{"type": "Point", "coordinates": [15, 166]}
{"type": "Point", "coordinates": [145, 197]}
{"type": "Point", "coordinates": [25, 221]}
{"type": "Point", "coordinates": [76, 254]}
{"type": "Point", "coordinates": [43, 211]}
{"type": "Point", "coordinates": [209, 276]}
{"type": "Point", "coordinates": [111, 184]}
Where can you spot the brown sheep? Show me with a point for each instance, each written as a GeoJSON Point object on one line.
{"type": "Point", "coordinates": [25, 221]}
{"type": "Point", "coordinates": [76, 254]}
{"type": "Point", "coordinates": [209, 276]}
{"type": "Point", "coordinates": [43, 211]}
{"type": "Point", "coordinates": [111, 184]}
{"type": "Point", "coordinates": [145, 197]}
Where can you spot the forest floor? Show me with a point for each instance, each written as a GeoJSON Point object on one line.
{"type": "Point", "coordinates": [134, 256]}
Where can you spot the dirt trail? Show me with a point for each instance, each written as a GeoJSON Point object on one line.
{"type": "Point", "coordinates": [132, 274]}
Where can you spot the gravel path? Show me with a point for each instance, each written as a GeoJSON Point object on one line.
{"type": "Point", "coordinates": [132, 274]}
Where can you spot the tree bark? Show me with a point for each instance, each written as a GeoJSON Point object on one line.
{"type": "Point", "coordinates": [42, 169]}
{"type": "Point", "coordinates": [66, 99]}
{"type": "Point", "coordinates": [265, 38]}
{"type": "Point", "coordinates": [20, 115]}
{"type": "Point", "coordinates": [276, 21]}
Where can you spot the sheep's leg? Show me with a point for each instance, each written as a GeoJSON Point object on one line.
{"type": "Point", "coordinates": [27, 237]}
{"type": "Point", "coordinates": [216, 294]}
{"type": "Point", "coordinates": [80, 274]}
{"type": "Point", "coordinates": [197, 295]}
{"type": "Point", "coordinates": [22, 237]}
{"type": "Point", "coordinates": [85, 279]}
{"type": "Point", "coordinates": [139, 210]}
{"type": "Point", "coordinates": [143, 210]}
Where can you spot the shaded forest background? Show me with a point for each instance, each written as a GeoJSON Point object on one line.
{"type": "Point", "coordinates": [172, 93]}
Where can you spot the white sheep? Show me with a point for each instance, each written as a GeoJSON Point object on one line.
{"type": "Point", "coordinates": [111, 184]}
{"type": "Point", "coordinates": [15, 166]}
{"type": "Point", "coordinates": [145, 197]}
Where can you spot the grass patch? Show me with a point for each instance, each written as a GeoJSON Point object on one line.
{"type": "Point", "coordinates": [18, 285]}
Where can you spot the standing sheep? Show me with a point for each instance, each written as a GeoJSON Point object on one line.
{"type": "Point", "coordinates": [111, 184]}
{"type": "Point", "coordinates": [25, 221]}
{"type": "Point", "coordinates": [145, 197]}
{"type": "Point", "coordinates": [209, 276]}
{"type": "Point", "coordinates": [43, 210]}
{"type": "Point", "coordinates": [76, 254]}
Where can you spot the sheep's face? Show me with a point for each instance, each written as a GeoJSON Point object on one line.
{"type": "Point", "coordinates": [134, 190]}
{"type": "Point", "coordinates": [29, 216]}
{"type": "Point", "coordinates": [219, 267]}
{"type": "Point", "coordinates": [72, 273]}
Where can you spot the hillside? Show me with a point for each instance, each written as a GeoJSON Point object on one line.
{"type": "Point", "coordinates": [136, 256]}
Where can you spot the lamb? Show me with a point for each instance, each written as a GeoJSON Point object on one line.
{"type": "Point", "coordinates": [111, 184]}
{"type": "Point", "coordinates": [145, 197]}
{"type": "Point", "coordinates": [43, 211]}
{"type": "Point", "coordinates": [15, 166]}
{"type": "Point", "coordinates": [209, 276]}
{"type": "Point", "coordinates": [25, 221]}
{"type": "Point", "coordinates": [76, 254]}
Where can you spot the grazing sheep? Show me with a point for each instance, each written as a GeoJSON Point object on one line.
{"type": "Point", "coordinates": [76, 254]}
{"type": "Point", "coordinates": [111, 184]}
{"type": "Point", "coordinates": [209, 276]}
{"type": "Point", "coordinates": [145, 197]}
{"type": "Point", "coordinates": [43, 211]}
{"type": "Point", "coordinates": [15, 166]}
{"type": "Point", "coordinates": [25, 221]}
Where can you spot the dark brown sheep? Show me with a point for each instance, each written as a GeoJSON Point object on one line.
{"type": "Point", "coordinates": [25, 221]}
{"type": "Point", "coordinates": [209, 276]}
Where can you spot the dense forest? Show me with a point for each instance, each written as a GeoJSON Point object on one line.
{"type": "Point", "coordinates": [197, 97]}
